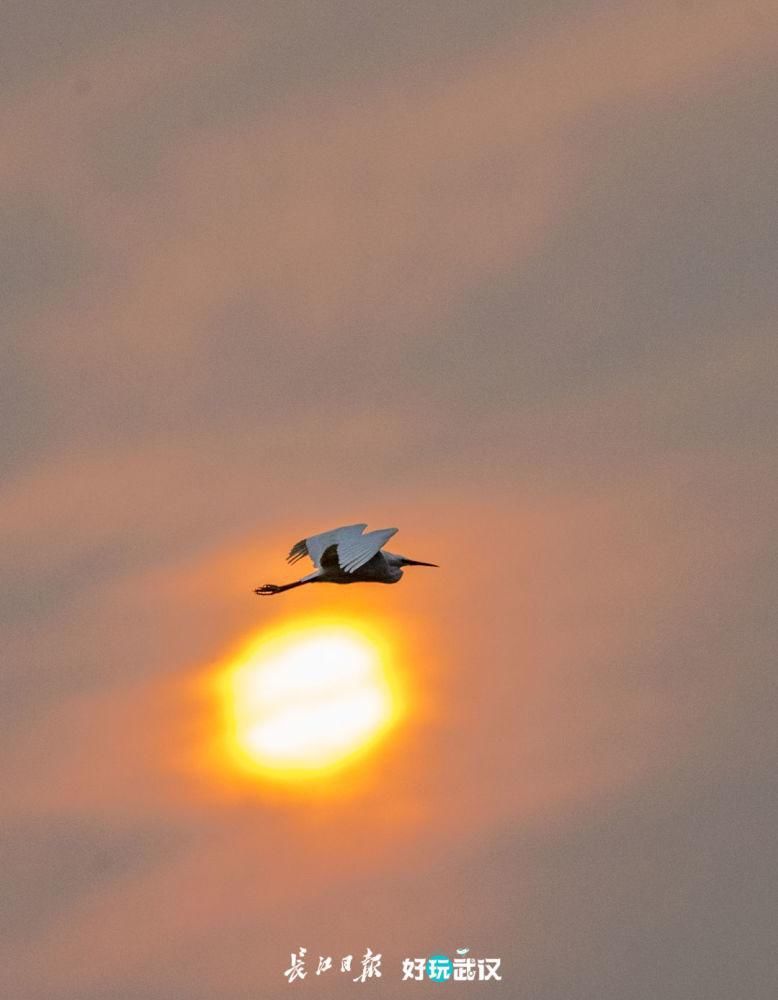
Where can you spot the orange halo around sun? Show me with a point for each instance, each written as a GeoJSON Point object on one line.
{"type": "Point", "coordinates": [307, 700]}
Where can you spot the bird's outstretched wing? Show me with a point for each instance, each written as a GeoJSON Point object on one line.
{"type": "Point", "coordinates": [356, 550]}
{"type": "Point", "coordinates": [316, 544]}
{"type": "Point", "coordinates": [353, 549]}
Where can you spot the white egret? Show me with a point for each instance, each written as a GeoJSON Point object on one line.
{"type": "Point", "coordinates": [346, 555]}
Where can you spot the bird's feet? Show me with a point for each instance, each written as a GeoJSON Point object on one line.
{"type": "Point", "coordinates": [269, 588]}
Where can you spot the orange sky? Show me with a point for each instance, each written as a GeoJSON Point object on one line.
{"type": "Point", "coordinates": [502, 276]}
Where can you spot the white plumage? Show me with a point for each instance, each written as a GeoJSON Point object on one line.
{"type": "Point", "coordinates": [355, 550]}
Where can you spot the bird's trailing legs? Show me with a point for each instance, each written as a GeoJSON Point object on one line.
{"type": "Point", "coordinates": [273, 588]}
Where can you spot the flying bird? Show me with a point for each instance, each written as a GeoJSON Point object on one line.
{"type": "Point", "coordinates": [346, 555]}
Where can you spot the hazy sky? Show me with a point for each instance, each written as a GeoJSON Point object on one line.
{"type": "Point", "coordinates": [503, 275]}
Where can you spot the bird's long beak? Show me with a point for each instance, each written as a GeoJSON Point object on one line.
{"type": "Point", "coordinates": [415, 562]}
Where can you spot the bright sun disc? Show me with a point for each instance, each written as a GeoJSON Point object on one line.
{"type": "Point", "coordinates": [307, 701]}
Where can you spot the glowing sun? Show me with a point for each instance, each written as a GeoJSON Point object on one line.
{"type": "Point", "coordinates": [308, 700]}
